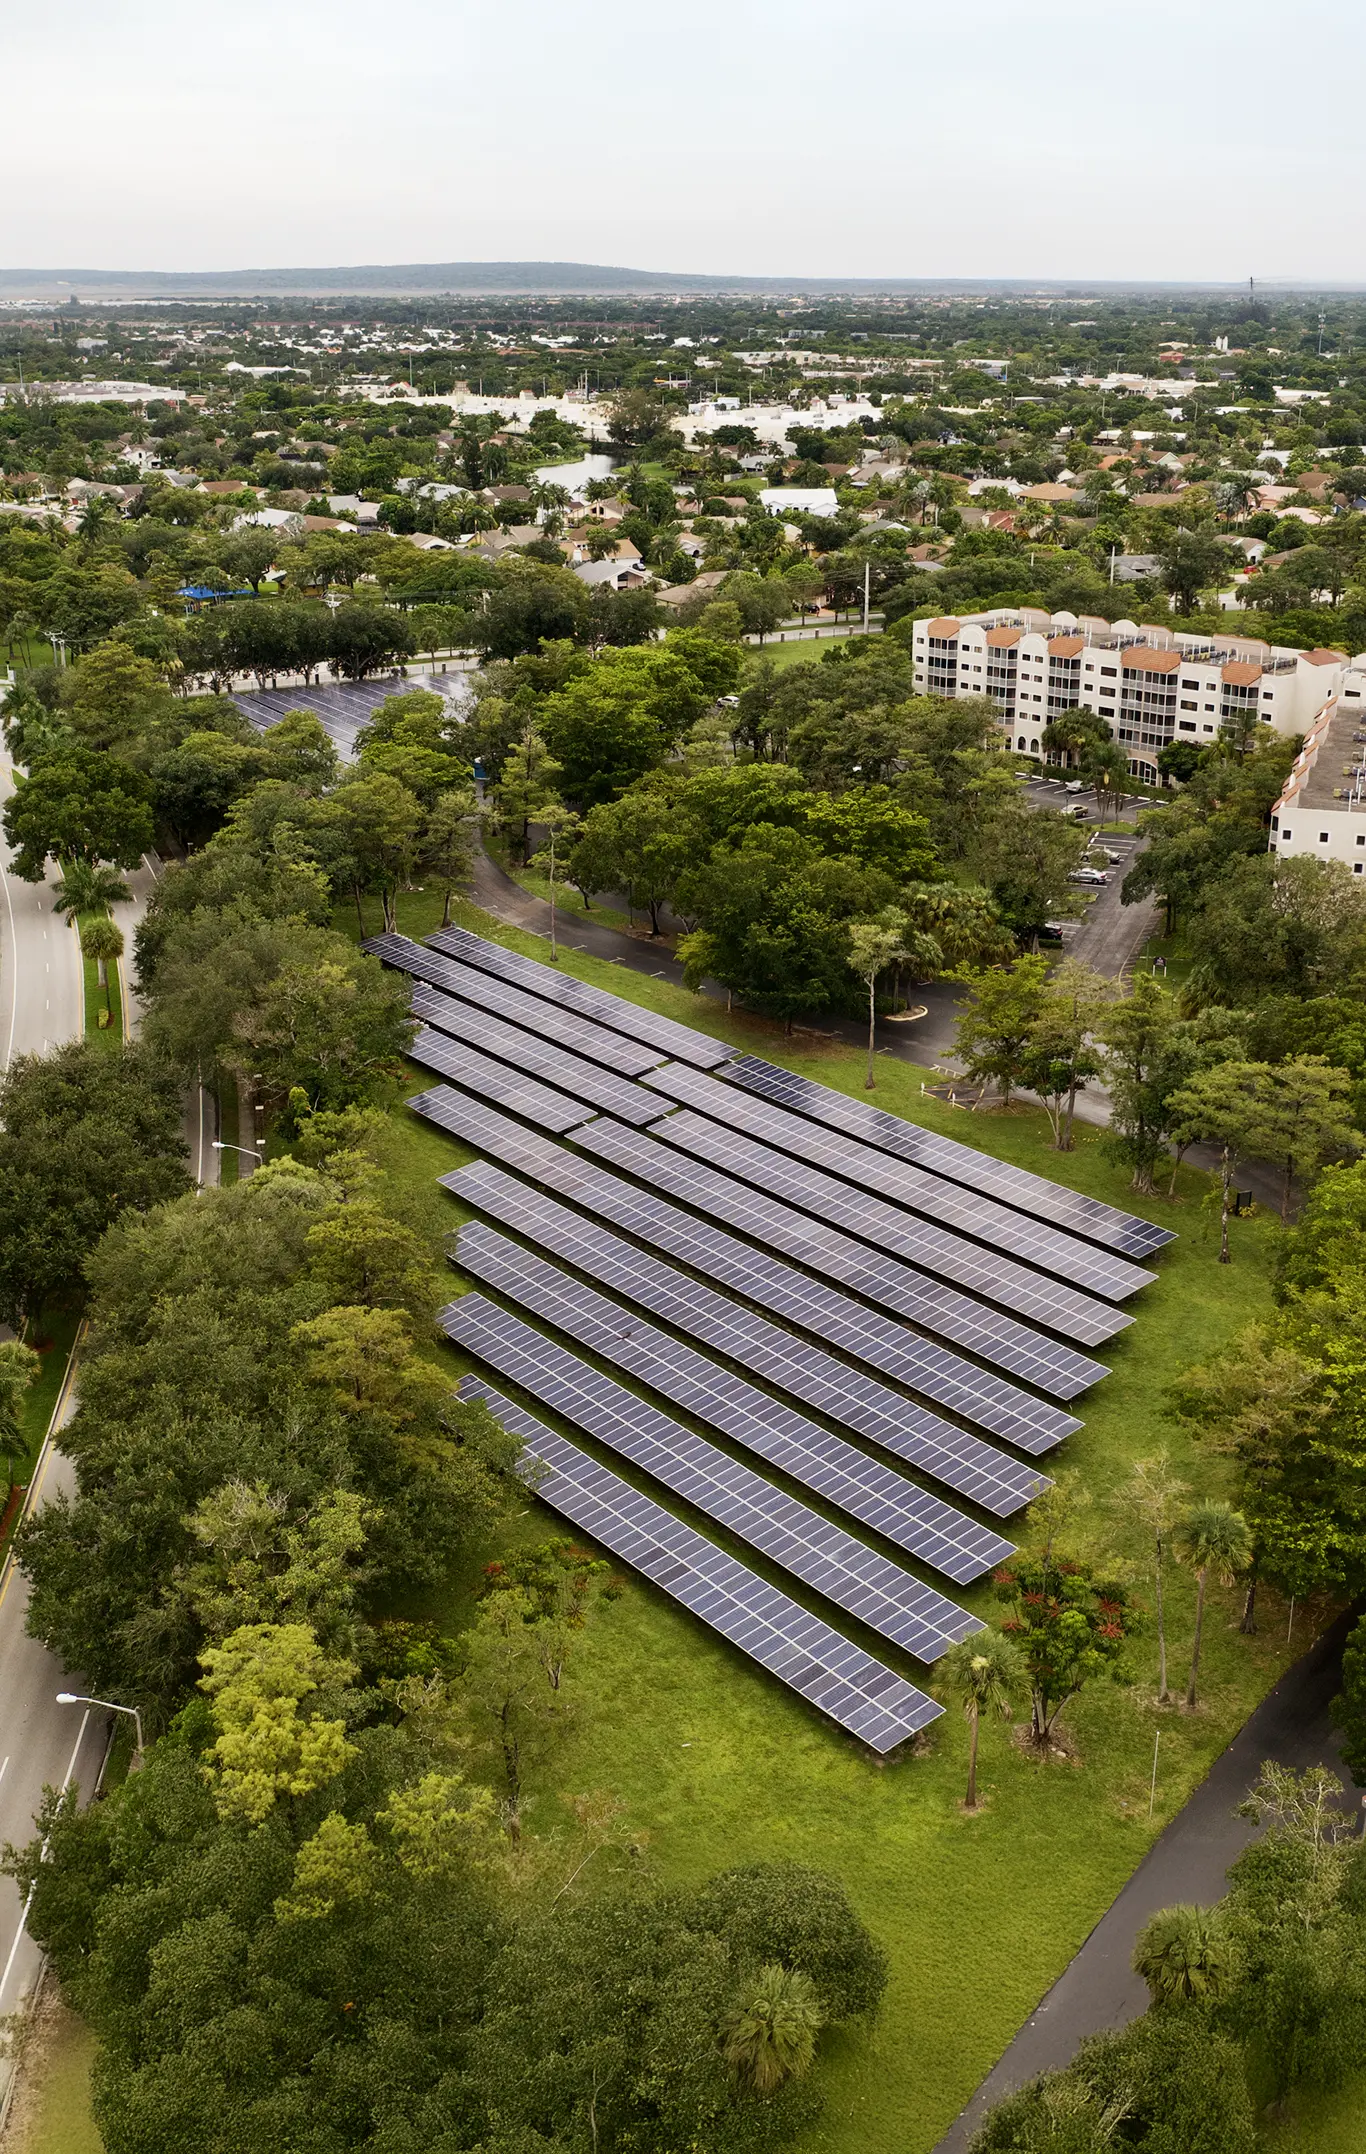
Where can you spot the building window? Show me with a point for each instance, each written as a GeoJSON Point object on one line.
{"type": "Point", "coordinates": [1323, 837]}
{"type": "Point", "coordinates": [1190, 684]}
{"type": "Point", "coordinates": [1190, 706]}
{"type": "Point", "coordinates": [1360, 841]}
{"type": "Point", "coordinates": [1110, 672]}
{"type": "Point", "coordinates": [1286, 832]}
{"type": "Point", "coordinates": [1187, 725]}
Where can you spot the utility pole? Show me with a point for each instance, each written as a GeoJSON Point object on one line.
{"type": "Point", "coordinates": [867, 573]}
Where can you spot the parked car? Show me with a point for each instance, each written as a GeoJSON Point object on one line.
{"type": "Point", "coordinates": [1090, 876]}
{"type": "Point", "coordinates": [1051, 931]}
{"type": "Point", "coordinates": [1078, 811]}
{"type": "Point", "coordinates": [1103, 852]}
{"type": "Point", "coordinates": [1074, 785]}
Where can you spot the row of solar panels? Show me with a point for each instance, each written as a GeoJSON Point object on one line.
{"type": "Point", "coordinates": [877, 1705]}
{"type": "Point", "coordinates": [636, 1028]}
{"type": "Point", "coordinates": [896, 1205]}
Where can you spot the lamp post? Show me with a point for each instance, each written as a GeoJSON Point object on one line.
{"type": "Point", "coordinates": [70, 1697]}
{"type": "Point", "coordinates": [247, 1152]}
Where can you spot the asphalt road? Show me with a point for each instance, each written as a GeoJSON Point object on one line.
{"type": "Point", "coordinates": [41, 984]}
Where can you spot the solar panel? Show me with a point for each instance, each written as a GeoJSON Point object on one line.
{"type": "Point", "coordinates": [523, 1051]}
{"type": "Point", "coordinates": [836, 1470]}
{"type": "Point", "coordinates": [570, 993]}
{"type": "Point", "coordinates": [981, 1271]}
{"type": "Point", "coordinates": [825, 1557]}
{"type": "Point", "coordinates": [963, 1462]}
{"type": "Point", "coordinates": [1033, 1424]}
{"type": "Point", "coordinates": [1028, 1355]}
{"type": "Point", "coordinates": [829, 1671]}
{"type": "Point", "coordinates": [1033, 1193]}
{"type": "Point", "coordinates": [943, 1203]}
{"type": "Point", "coordinates": [579, 1034]}
{"type": "Point", "coordinates": [546, 1109]}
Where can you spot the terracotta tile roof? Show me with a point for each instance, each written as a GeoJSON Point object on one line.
{"type": "Point", "coordinates": [1142, 658]}
{"type": "Point", "coordinates": [1321, 657]}
{"type": "Point", "coordinates": [946, 627]}
{"type": "Point", "coordinates": [1066, 646]}
{"type": "Point", "coordinates": [1240, 673]}
{"type": "Point", "coordinates": [1002, 639]}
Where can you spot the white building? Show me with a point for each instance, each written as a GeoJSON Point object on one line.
{"type": "Point", "coordinates": [1150, 685]}
{"type": "Point", "coordinates": [1322, 810]}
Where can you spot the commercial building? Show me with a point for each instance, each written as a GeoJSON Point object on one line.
{"type": "Point", "coordinates": [1150, 685]}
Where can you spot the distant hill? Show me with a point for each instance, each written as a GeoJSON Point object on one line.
{"type": "Point", "coordinates": [399, 278]}
{"type": "Point", "coordinates": [396, 279]}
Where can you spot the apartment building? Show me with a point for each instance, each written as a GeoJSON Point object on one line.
{"type": "Point", "coordinates": [1322, 810]}
{"type": "Point", "coordinates": [1150, 685]}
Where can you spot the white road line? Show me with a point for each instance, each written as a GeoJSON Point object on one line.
{"type": "Point", "coordinates": [23, 1919]}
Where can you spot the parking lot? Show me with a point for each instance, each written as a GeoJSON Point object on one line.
{"type": "Point", "coordinates": [1108, 934]}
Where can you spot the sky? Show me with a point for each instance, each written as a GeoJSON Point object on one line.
{"type": "Point", "coordinates": [1180, 139]}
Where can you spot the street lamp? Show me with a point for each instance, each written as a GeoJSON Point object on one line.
{"type": "Point", "coordinates": [252, 1153]}
{"type": "Point", "coordinates": [69, 1697]}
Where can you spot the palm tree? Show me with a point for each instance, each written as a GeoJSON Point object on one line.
{"type": "Point", "coordinates": [88, 886]}
{"type": "Point", "coordinates": [984, 1671]}
{"type": "Point", "coordinates": [93, 518]}
{"type": "Point", "coordinates": [769, 2034]}
{"type": "Point", "coordinates": [1211, 1537]}
{"type": "Point", "coordinates": [1182, 1955]}
{"type": "Point", "coordinates": [1151, 1494]}
{"type": "Point", "coordinates": [102, 939]}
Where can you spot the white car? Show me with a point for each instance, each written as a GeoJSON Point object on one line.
{"type": "Point", "coordinates": [1090, 876]}
{"type": "Point", "coordinates": [1074, 785]}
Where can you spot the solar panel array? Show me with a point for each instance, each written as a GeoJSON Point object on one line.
{"type": "Point", "coordinates": [825, 1557]}
{"type": "Point", "coordinates": [342, 708]}
{"type": "Point", "coordinates": [836, 1470]}
{"type": "Point", "coordinates": [965, 1264]}
{"type": "Point", "coordinates": [579, 1034]}
{"type": "Point", "coordinates": [568, 1073]}
{"type": "Point", "coordinates": [495, 1081]}
{"type": "Point", "coordinates": [1067, 1208]}
{"type": "Point", "coordinates": [946, 1378]}
{"type": "Point", "coordinates": [831, 1673]}
{"type": "Point", "coordinates": [943, 1203]}
{"type": "Point", "coordinates": [569, 993]}
{"type": "Point", "coordinates": [963, 1462]}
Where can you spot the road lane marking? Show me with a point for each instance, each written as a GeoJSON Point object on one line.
{"type": "Point", "coordinates": [23, 1919]}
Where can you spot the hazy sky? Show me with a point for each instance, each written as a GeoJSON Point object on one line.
{"type": "Point", "coordinates": [1177, 138]}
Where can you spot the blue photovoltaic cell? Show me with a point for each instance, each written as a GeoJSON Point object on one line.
{"type": "Point", "coordinates": [878, 1341]}
{"type": "Point", "coordinates": [946, 1205]}
{"type": "Point", "coordinates": [579, 1034]}
{"type": "Point", "coordinates": [785, 1639]}
{"type": "Point", "coordinates": [894, 1232]}
{"type": "Point", "coordinates": [825, 1557]}
{"type": "Point", "coordinates": [523, 1051]}
{"type": "Point", "coordinates": [1032, 1193]}
{"type": "Point", "coordinates": [964, 1463]}
{"type": "Point", "coordinates": [570, 993]}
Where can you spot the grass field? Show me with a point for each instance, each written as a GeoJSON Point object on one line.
{"type": "Point", "coordinates": [977, 1914]}
{"type": "Point", "coordinates": [1322, 2123]}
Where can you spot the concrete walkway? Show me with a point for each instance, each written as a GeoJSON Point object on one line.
{"type": "Point", "coordinates": [1189, 1864]}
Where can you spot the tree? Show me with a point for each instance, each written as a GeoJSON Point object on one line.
{"type": "Point", "coordinates": [562, 827]}
{"type": "Point", "coordinates": [1151, 1496]}
{"type": "Point", "coordinates": [380, 822]}
{"type": "Point", "coordinates": [1061, 1051]}
{"type": "Point", "coordinates": [641, 844]}
{"type": "Point", "coordinates": [1231, 1105]}
{"type": "Point", "coordinates": [1105, 767]}
{"type": "Point", "coordinates": [79, 805]}
{"type": "Point", "coordinates": [84, 1135]}
{"type": "Point", "coordinates": [984, 1672]}
{"type": "Point", "coordinates": [19, 1368]}
{"type": "Point", "coordinates": [507, 1690]}
{"type": "Point", "coordinates": [1183, 1956]}
{"type": "Point", "coordinates": [1025, 856]}
{"type": "Point", "coordinates": [102, 941]}
{"type": "Point", "coordinates": [526, 784]}
{"type": "Point", "coordinates": [363, 639]}
{"type": "Point", "coordinates": [1191, 560]}
{"type": "Point", "coordinates": [331, 1022]}
{"type": "Point", "coordinates": [1068, 1625]}
{"type": "Point", "coordinates": [994, 1032]}
{"type": "Point", "coordinates": [1349, 1706]}
{"type": "Point", "coordinates": [1137, 1033]}
{"type": "Point", "coordinates": [873, 946]}
{"type": "Point", "coordinates": [257, 1679]}
{"type": "Point", "coordinates": [769, 2034]}
{"type": "Point", "coordinates": [447, 842]}
{"type": "Point", "coordinates": [88, 887]}
{"type": "Point", "coordinates": [1211, 1537]}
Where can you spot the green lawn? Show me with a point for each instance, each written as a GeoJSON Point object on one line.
{"type": "Point", "coordinates": [1322, 2123]}
{"type": "Point", "coordinates": [110, 1035]}
{"type": "Point", "coordinates": [721, 1766]}
{"type": "Point", "coordinates": [54, 2109]}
